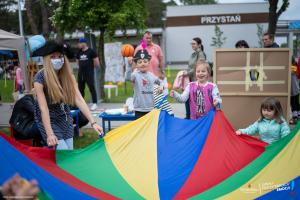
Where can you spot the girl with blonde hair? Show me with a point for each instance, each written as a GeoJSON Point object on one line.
{"type": "Point", "coordinates": [56, 89]}
{"type": "Point", "coordinates": [201, 94]}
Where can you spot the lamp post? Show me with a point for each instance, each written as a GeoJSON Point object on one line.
{"type": "Point", "coordinates": [20, 18]}
{"type": "Point", "coordinates": [164, 36]}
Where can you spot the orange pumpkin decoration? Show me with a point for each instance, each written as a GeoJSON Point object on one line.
{"type": "Point", "coordinates": [127, 50]}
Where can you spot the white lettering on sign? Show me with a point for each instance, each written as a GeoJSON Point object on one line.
{"type": "Point", "coordinates": [221, 19]}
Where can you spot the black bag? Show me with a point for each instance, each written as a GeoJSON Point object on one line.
{"type": "Point", "coordinates": [22, 125]}
{"type": "Point", "coordinates": [22, 118]}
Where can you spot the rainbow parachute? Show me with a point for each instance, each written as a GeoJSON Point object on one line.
{"type": "Point", "coordinates": [162, 157]}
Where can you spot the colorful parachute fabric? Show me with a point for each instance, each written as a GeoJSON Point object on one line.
{"type": "Point", "coordinates": [162, 157]}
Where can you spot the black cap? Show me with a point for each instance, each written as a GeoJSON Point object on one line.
{"type": "Point", "coordinates": [142, 54]}
{"type": "Point", "coordinates": [53, 46]}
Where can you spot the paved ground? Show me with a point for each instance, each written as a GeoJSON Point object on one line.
{"type": "Point", "coordinates": [6, 110]}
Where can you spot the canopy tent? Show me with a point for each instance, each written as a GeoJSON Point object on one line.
{"type": "Point", "coordinates": [7, 53]}
{"type": "Point", "coordinates": [10, 41]}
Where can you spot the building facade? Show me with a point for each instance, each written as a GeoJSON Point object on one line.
{"type": "Point", "coordinates": [238, 21]}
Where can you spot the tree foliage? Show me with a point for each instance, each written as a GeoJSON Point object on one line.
{"type": "Point", "coordinates": [8, 17]}
{"type": "Point", "coordinates": [259, 34]}
{"type": "Point", "coordinates": [171, 3]}
{"type": "Point", "coordinates": [105, 16]}
{"type": "Point", "coordinates": [35, 16]}
{"type": "Point", "coordinates": [274, 13]}
{"type": "Point", "coordinates": [6, 4]}
{"type": "Point", "coordinates": [155, 9]}
{"type": "Point", "coordinates": [219, 39]}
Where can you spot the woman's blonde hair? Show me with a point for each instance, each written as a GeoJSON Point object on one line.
{"type": "Point", "coordinates": [60, 85]}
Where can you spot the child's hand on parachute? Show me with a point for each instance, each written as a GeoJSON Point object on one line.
{"type": "Point", "coordinates": [216, 104]}
{"type": "Point", "coordinates": [238, 132]}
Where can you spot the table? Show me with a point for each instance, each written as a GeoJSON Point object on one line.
{"type": "Point", "coordinates": [109, 87]}
{"type": "Point", "coordinates": [120, 117]}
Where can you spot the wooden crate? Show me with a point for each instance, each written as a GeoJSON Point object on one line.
{"type": "Point", "coordinates": [242, 93]}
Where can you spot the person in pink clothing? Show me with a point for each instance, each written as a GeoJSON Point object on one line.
{"type": "Point", "coordinates": [19, 80]}
{"type": "Point", "coordinates": [202, 94]}
{"type": "Point", "coordinates": [157, 57]}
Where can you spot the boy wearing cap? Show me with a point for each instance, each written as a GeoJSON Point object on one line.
{"type": "Point", "coordinates": [143, 82]}
{"type": "Point", "coordinates": [87, 60]}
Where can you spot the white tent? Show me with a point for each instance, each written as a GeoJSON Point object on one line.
{"type": "Point", "coordinates": [10, 41]}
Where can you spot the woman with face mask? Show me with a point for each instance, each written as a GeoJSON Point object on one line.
{"type": "Point", "coordinates": [56, 89]}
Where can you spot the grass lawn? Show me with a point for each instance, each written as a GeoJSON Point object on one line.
{"type": "Point", "coordinates": [89, 137]}
{"type": "Point", "coordinates": [125, 90]}
{"type": "Point", "coordinates": [6, 90]}
{"type": "Point", "coordinates": [5, 130]}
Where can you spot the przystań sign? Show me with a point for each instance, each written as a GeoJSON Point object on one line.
{"type": "Point", "coordinates": [236, 18]}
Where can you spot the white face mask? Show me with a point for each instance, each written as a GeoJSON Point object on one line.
{"type": "Point", "coordinates": [57, 63]}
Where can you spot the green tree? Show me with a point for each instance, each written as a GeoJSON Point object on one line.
{"type": "Point", "coordinates": [171, 3]}
{"type": "Point", "coordinates": [197, 2]}
{"type": "Point", "coordinates": [6, 4]}
{"type": "Point", "coordinates": [105, 16]}
{"type": "Point", "coordinates": [37, 16]}
{"type": "Point", "coordinates": [260, 35]}
{"type": "Point", "coordinates": [155, 9]}
{"type": "Point", "coordinates": [274, 14]}
{"type": "Point", "coordinates": [218, 40]}
{"type": "Point", "coordinates": [31, 17]}
{"type": "Point", "coordinates": [8, 17]}
{"type": "Point", "coordinates": [63, 19]}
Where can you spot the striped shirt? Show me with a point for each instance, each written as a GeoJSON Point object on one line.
{"type": "Point", "coordinates": [160, 100]}
{"type": "Point", "coordinates": [60, 118]}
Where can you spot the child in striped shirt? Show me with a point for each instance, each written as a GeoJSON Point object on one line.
{"type": "Point", "coordinates": [160, 94]}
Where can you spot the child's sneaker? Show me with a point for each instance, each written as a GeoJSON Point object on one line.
{"type": "Point", "coordinates": [93, 107]}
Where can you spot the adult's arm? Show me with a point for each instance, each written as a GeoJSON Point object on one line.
{"type": "Point", "coordinates": [96, 62]}
{"type": "Point", "coordinates": [41, 99]}
{"type": "Point", "coordinates": [161, 59]}
{"type": "Point", "coordinates": [191, 71]}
